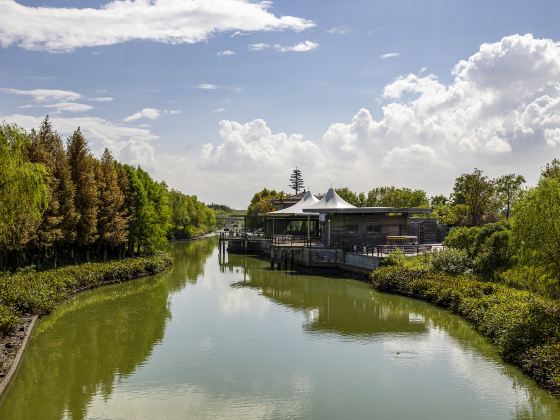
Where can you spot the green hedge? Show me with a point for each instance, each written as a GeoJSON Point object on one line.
{"type": "Point", "coordinates": [37, 293]}
{"type": "Point", "coordinates": [524, 326]}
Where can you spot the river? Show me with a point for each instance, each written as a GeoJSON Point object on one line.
{"type": "Point", "coordinates": [230, 338]}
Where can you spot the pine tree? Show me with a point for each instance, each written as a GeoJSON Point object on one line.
{"type": "Point", "coordinates": [86, 199]}
{"type": "Point", "coordinates": [58, 222]}
{"type": "Point", "coordinates": [111, 224]}
{"type": "Point", "coordinates": [296, 180]}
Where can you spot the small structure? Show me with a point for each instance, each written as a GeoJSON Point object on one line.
{"type": "Point", "coordinates": [293, 221]}
{"type": "Point", "coordinates": [345, 225]}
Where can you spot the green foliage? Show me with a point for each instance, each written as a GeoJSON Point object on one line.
{"type": "Point", "coordinates": [351, 197]}
{"type": "Point", "coordinates": [55, 201]}
{"type": "Point", "coordinates": [395, 258]}
{"type": "Point", "coordinates": [508, 190]}
{"type": "Point", "coordinates": [82, 166]}
{"type": "Point", "coordinates": [552, 169]}
{"type": "Point", "coordinates": [452, 261]}
{"type": "Point", "coordinates": [261, 203]}
{"type": "Point", "coordinates": [536, 233]}
{"type": "Point", "coordinates": [487, 247]}
{"type": "Point", "coordinates": [477, 192]}
{"type": "Point", "coordinates": [524, 327]}
{"type": "Point", "coordinates": [23, 190]}
{"type": "Point", "coordinates": [396, 197]}
{"type": "Point", "coordinates": [189, 217]}
{"type": "Point", "coordinates": [30, 292]}
{"type": "Point", "coordinates": [451, 215]}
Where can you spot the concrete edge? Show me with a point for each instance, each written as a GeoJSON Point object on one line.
{"type": "Point", "coordinates": [17, 360]}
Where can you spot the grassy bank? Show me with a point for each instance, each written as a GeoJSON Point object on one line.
{"type": "Point", "coordinates": [37, 293]}
{"type": "Point", "coordinates": [524, 326]}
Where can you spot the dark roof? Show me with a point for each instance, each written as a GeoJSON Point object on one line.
{"type": "Point", "coordinates": [369, 210]}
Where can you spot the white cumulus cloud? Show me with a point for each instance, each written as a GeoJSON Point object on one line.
{"type": "Point", "coordinates": [44, 95]}
{"type": "Point", "coordinates": [63, 29]}
{"type": "Point", "coordinates": [146, 113]}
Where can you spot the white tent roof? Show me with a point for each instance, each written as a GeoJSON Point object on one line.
{"type": "Point", "coordinates": [306, 201]}
{"type": "Point", "coordinates": [331, 200]}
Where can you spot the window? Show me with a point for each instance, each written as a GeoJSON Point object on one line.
{"type": "Point", "coordinates": [352, 229]}
{"type": "Point", "coordinates": [374, 228]}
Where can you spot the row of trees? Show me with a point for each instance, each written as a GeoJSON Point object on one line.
{"type": "Point", "coordinates": [62, 201]}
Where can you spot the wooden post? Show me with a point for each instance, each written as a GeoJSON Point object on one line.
{"type": "Point", "coordinates": [308, 232]}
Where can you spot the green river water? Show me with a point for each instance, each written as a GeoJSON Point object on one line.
{"type": "Point", "coordinates": [234, 339]}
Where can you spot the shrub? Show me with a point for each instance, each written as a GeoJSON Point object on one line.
{"type": "Point", "coordinates": [451, 261]}
{"type": "Point", "coordinates": [30, 292]}
{"type": "Point", "coordinates": [395, 258]}
{"type": "Point", "coordinates": [494, 254]}
{"type": "Point", "coordinates": [462, 238]}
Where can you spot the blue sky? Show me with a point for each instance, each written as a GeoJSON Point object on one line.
{"type": "Point", "coordinates": [298, 94]}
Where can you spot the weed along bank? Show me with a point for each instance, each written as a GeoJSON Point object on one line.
{"type": "Point", "coordinates": [330, 232]}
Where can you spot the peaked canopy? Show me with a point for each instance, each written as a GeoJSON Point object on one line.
{"type": "Point", "coordinates": [306, 201]}
{"type": "Point", "coordinates": [331, 200]}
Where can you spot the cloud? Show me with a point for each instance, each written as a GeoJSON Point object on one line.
{"type": "Point", "coordinates": [69, 107]}
{"type": "Point", "coordinates": [206, 86]}
{"type": "Point", "coordinates": [101, 99]}
{"type": "Point", "coordinates": [259, 46]}
{"type": "Point", "coordinates": [225, 53]}
{"type": "Point", "coordinates": [61, 29]}
{"type": "Point", "coordinates": [172, 112]}
{"type": "Point", "coordinates": [45, 95]}
{"type": "Point", "coordinates": [147, 113]}
{"type": "Point", "coordinates": [219, 110]}
{"type": "Point", "coordinates": [339, 30]}
{"type": "Point", "coordinates": [500, 112]}
{"type": "Point", "coordinates": [390, 55]}
{"type": "Point", "coordinates": [300, 47]}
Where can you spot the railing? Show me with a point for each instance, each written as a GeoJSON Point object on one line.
{"type": "Point", "coordinates": [241, 234]}
{"type": "Point", "coordinates": [381, 251]}
{"type": "Point", "coordinates": [295, 240]}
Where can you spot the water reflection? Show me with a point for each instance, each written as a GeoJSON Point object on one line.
{"type": "Point", "coordinates": [223, 336]}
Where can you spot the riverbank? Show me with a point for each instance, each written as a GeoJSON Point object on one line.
{"type": "Point", "coordinates": [524, 326]}
{"type": "Point", "coordinates": [26, 295]}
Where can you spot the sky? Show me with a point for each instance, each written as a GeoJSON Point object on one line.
{"type": "Point", "coordinates": [221, 98]}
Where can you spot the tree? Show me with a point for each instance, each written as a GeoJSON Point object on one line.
{"type": "Point", "coordinates": [59, 219]}
{"type": "Point", "coordinates": [438, 200]}
{"type": "Point", "coordinates": [396, 197]}
{"type": "Point", "coordinates": [551, 170]}
{"type": "Point", "coordinates": [23, 191]}
{"type": "Point", "coordinates": [86, 198]}
{"type": "Point", "coordinates": [536, 233]}
{"type": "Point", "coordinates": [261, 202]}
{"type": "Point", "coordinates": [112, 224]}
{"type": "Point", "coordinates": [296, 180]}
{"type": "Point", "coordinates": [351, 197]}
{"type": "Point", "coordinates": [508, 189]}
{"type": "Point", "coordinates": [475, 191]}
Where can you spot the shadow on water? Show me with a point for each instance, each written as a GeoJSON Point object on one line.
{"type": "Point", "coordinates": [93, 341]}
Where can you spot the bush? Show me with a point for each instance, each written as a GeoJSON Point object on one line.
{"type": "Point", "coordinates": [462, 238]}
{"type": "Point", "coordinates": [35, 293]}
{"type": "Point", "coordinates": [524, 326]}
{"type": "Point", "coordinates": [395, 258]}
{"type": "Point", "coordinates": [451, 261]}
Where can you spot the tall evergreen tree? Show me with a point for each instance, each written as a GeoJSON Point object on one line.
{"type": "Point", "coordinates": [112, 224]}
{"type": "Point", "coordinates": [296, 180]}
{"type": "Point", "coordinates": [58, 222]}
{"type": "Point", "coordinates": [86, 199]}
